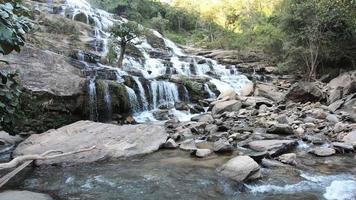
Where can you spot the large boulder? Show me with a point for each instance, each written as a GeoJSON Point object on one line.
{"type": "Point", "coordinates": [241, 168]}
{"type": "Point", "coordinates": [6, 138]}
{"type": "Point", "coordinates": [341, 86]}
{"type": "Point", "coordinates": [226, 106]}
{"type": "Point", "coordinates": [350, 138]}
{"type": "Point", "coordinates": [23, 195]}
{"type": "Point", "coordinates": [273, 147]}
{"type": "Point", "coordinates": [304, 92]}
{"type": "Point", "coordinates": [110, 141]}
{"type": "Point", "coordinates": [269, 92]}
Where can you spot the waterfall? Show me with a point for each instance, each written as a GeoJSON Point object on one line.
{"type": "Point", "coordinates": [164, 93]}
{"type": "Point", "coordinates": [186, 94]}
{"type": "Point", "coordinates": [211, 93]}
{"type": "Point", "coordinates": [142, 93]}
{"type": "Point", "coordinates": [134, 104]}
{"type": "Point", "coordinates": [107, 100]}
{"type": "Point", "coordinates": [93, 108]}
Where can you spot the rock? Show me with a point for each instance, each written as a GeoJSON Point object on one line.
{"type": "Point", "coordinates": [203, 118]}
{"type": "Point", "coordinates": [305, 92]}
{"type": "Point", "coordinates": [226, 106]}
{"type": "Point", "coordinates": [201, 153]}
{"type": "Point", "coordinates": [241, 168]}
{"type": "Point", "coordinates": [350, 138]}
{"type": "Point", "coordinates": [161, 115]}
{"type": "Point", "coordinates": [258, 156]}
{"type": "Point", "coordinates": [289, 158]}
{"type": "Point", "coordinates": [211, 128]}
{"type": "Point", "coordinates": [227, 95]}
{"type": "Point", "coordinates": [247, 89]}
{"type": "Point", "coordinates": [269, 91]}
{"type": "Point", "coordinates": [188, 145]}
{"type": "Point", "coordinates": [332, 118]}
{"type": "Point", "coordinates": [280, 129]}
{"type": "Point", "coordinates": [111, 141]}
{"type": "Point", "coordinates": [23, 195]}
{"type": "Point", "coordinates": [181, 106]}
{"type": "Point", "coordinates": [222, 146]}
{"type": "Point", "coordinates": [272, 163]}
{"type": "Point", "coordinates": [319, 113]}
{"type": "Point", "coordinates": [323, 151]}
{"type": "Point", "coordinates": [273, 147]}
{"type": "Point", "coordinates": [196, 109]}
{"type": "Point", "coordinates": [341, 86]}
{"type": "Point", "coordinates": [170, 144]}
{"type": "Point", "coordinates": [299, 131]}
{"type": "Point", "coordinates": [8, 139]}
{"type": "Point", "coordinates": [213, 137]}
{"type": "Point", "coordinates": [343, 146]}
{"type": "Point", "coordinates": [256, 102]}
{"type": "Point", "coordinates": [339, 127]}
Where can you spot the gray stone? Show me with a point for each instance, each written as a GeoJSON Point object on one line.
{"type": "Point", "coordinates": [281, 129]}
{"type": "Point", "coordinates": [273, 147]}
{"type": "Point", "coordinates": [226, 106]}
{"type": "Point", "coordinates": [170, 144]}
{"type": "Point", "coordinates": [323, 151]}
{"type": "Point", "coordinates": [8, 139]}
{"type": "Point", "coordinates": [241, 168]}
{"type": "Point", "coordinates": [110, 141]}
{"type": "Point", "coordinates": [272, 163]}
{"type": "Point", "coordinates": [201, 153]}
{"type": "Point", "coordinates": [23, 195]}
{"type": "Point", "coordinates": [222, 146]}
{"type": "Point", "coordinates": [350, 138]}
{"type": "Point", "coordinates": [203, 118]}
{"type": "Point", "coordinates": [343, 146]}
{"type": "Point", "coordinates": [332, 118]}
{"type": "Point", "coordinates": [289, 158]}
{"type": "Point", "coordinates": [188, 145]}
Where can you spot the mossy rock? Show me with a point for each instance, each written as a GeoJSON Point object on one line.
{"type": "Point", "coordinates": [154, 41]}
{"type": "Point", "coordinates": [196, 90]}
{"type": "Point", "coordinates": [119, 98]}
{"type": "Point", "coordinates": [133, 51]}
{"type": "Point", "coordinates": [43, 111]}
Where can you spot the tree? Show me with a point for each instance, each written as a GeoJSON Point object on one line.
{"type": "Point", "coordinates": [124, 34]}
{"type": "Point", "coordinates": [12, 35]}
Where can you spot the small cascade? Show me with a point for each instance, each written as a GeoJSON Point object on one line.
{"type": "Point", "coordinates": [93, 107]}
{"type": "Point", "coordinates": [164, 93]}
{"type": "Point", "coordinates": [107, 100]}
{"type": "Point", "coordinates": [186, 97]}
{"type": "Point", "coordinates": [211, 93]}
{"type": "Point", "coordinates": [142, 93]}
{"type": "Point", "coordinates": [134, 104]}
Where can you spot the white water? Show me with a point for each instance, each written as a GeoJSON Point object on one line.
{"type": "Point", "coordinates": [334, 187]}
{"type": "Point", "coordinates": [134, 104]}
{"type": "Point", "coordinates": [163, 93]}
{"type": "Point", "coordinates": [93, 109]}
{"type": "Point", "coordinates": [107, 100]}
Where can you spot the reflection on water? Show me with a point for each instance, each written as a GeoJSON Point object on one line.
{"type": "Point", "coordinates": [174, 175]}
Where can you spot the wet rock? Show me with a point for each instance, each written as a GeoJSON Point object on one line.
{"type": "Point", "coordinates": [217, 136]}
{"type": "Point", "coordinates": [273, 147]}
{"type": "Point", "coordinates": [342, 86]}
{"type": "Point", "coordinates": [323, 151]}
{"type": "Point", "coordinates": [203, 118]}
{"type": "Point", "coordinates": [304, 92]}
{"type": "Point", "coordinates": [181, 106]}
{"type": "Point", "coordinates": [23, 195]}
{"type": "Point", "coordinates": [289, 158]}
{"type": "Point", "coordinates": [269, 163]}
{"type": "Point", "coordinates": [6, 138]}
{"type": "Point", "coordinates": [222, 146]}
{"type": "Point", "coordinates": [280, 129]}
{"type": "Point", "coordinates": [241, 168]}
{"type": "Point", "coordinates": [110, 141]}
{"type": "Point", "coordinates": [343, 146]}
{"type": "Point", "coordinates": [161, 115]}
{"type": "Point", "coordinates": [202, 153]}
{"type": "Point", "coordinates": [258, 156]}
{"type": "Point", "coordinates": [170, 144]}
{"type": "Point", "coordinates": [226, 106]}
{"type": "Point", "coordinates": [211, 128]}
{"type": "Point", "coordinates": [316, 139]}
{"type": "Point", "coordinates": [188, 145]}
{"type": "Point", "coordinates": [339, 127]}
{"type": "Point", "coordinates": [350, 138]}
{"type": "Point", "coordinates": [196, 109]}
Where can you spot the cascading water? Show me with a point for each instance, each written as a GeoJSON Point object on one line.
{"type": "Point", "coordinates": [134, 104]}
{"type": "Point", "coordinates": [160, 93]}
{"type": "Point", "coordinates": [212, 95]}
{"type": "Point", "coordinates": [93, 108]}
{"type": "Point", "coordinates": [107, 100]}
{"type": "Point", "coordinates": [164, 94]}
{"type": "Point", "coordinates": [142, 93]}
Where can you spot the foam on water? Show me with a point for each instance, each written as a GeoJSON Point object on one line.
{"type": "Point", "coordinates": [341, 190]}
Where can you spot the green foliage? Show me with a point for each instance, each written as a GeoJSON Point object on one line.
{"type": "Point", "coordinates": [12, 36]}
{"type": "Point", "coordinates": [9, 100]}
{"type": "Point", "coordinates": [111, 56]}
{"type": "Point", "coordinates": [127, 31]}
{"type": "Point", "coordinates": [12, 28]}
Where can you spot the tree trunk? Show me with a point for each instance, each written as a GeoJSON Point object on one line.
{"type": "Point", "coordinates": [122, 54]}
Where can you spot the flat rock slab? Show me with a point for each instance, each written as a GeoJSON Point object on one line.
{"type": "Point", "coordinates": [111, 141]}
{"type": "Point", "coordinates": [241, 168]}
{"type": "Point", "coordinates": [273, 147]}
{"type": "Point", "coordinates": [23, 195]}
{"type": "Point", "coordinates": [323, 151]}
